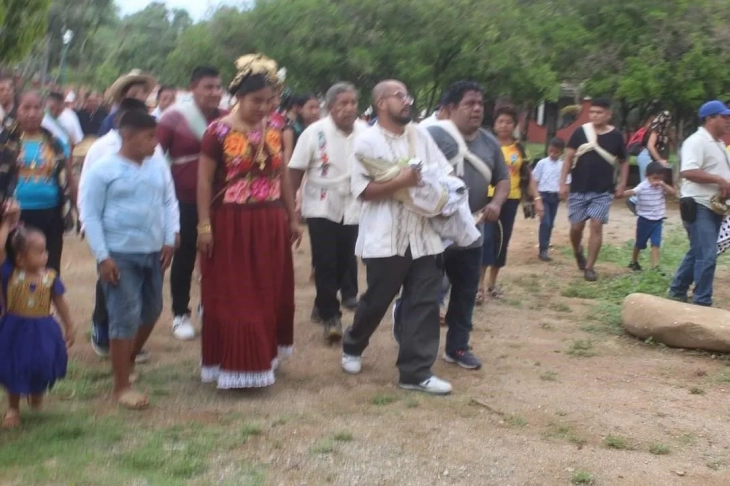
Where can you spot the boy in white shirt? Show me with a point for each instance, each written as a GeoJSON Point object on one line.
{"type": "Point", "coordinates": [547, 175]}
{"type": "Point", "coordinates": [650, 209]}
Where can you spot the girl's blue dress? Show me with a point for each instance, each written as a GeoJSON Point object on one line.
{"type": "Point", "coordinates": [32, 349]}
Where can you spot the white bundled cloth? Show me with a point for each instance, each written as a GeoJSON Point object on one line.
{"type": "Point", "coordinates": [442, 199]}
{"type": "Point", "coordinates": [723, 239]}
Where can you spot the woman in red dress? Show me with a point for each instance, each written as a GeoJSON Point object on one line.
{"type": "Point", "coordinates": [247, 226]}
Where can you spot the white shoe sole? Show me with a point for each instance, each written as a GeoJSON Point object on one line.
{"type": "Point", "coordinates": [420, 388]}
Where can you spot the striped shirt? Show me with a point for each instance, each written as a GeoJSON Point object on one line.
{"type": "Point", "coordinates": [650, 203]}
{"type": "Point", "coordinates": [547, 174]}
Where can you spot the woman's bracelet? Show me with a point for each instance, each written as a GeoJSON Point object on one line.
{"type": "Point", "coordinates": [204, 229]}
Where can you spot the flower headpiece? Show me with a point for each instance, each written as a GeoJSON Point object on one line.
{"type": "Point", "coordinates": [252, 64]}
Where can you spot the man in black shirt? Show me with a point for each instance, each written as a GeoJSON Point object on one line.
{"type": "Point", "coordinates": [91, 115]}
{"type": "Point", "coordinates": [594, 152]}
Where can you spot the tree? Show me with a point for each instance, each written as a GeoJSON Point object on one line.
{"type": "Point", "coordinates": [22, 23]}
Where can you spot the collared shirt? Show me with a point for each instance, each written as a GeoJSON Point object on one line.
{"type": "Point", "coordinates": [387, 227]}
{"type": "Point", "coordinates": [129, 207]}
{"type": "Point", "coordinates": [650, 201]}
{"type": "Point", "coordinates": [702, 151]}
{"type": "Point", "coordinates": [547, 174]}
{"type": "Point", "coordinates": [103, 147]}
{"type": "Point", "coordinates": [323, 151]}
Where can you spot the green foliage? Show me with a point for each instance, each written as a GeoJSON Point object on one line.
{"type": "Point", "coordinates": [22, 23]}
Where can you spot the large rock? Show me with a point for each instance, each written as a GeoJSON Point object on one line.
{"type": "Point", "coordinates": [676, 324]}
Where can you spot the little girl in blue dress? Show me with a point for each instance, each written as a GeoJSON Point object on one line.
{"type": "Point", "coordinates": [32, 347]}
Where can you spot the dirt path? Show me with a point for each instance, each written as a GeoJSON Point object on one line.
{"type": "Point", "coordinates": [534, 415]}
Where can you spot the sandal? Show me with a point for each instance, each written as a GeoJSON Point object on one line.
{"type": "Point", "coordinates": [495, 292]}
{"type": "Point", "coordinates": [480, 297]}
{"type": "Point", "coordinates": [132, 400]}
{"type": "Point", "coordinates": [11, 419]}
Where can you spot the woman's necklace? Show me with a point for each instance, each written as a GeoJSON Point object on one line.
{"type": "Point", "coordinates": [36, 161]}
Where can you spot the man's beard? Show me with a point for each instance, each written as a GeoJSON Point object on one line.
{"type": "Point", "coordinates": [401, 119]}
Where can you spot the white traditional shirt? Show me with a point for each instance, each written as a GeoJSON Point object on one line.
{"type": "Point", "coordinates": [387, 227]}
{"type": "Point", "coordinates": [702, 151]}
{"type": "Point", "coordinates": [66, 127]}
{"type": "Point", "coordinates": [324, 152]}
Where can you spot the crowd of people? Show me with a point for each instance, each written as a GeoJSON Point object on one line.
{"type": "Point", "coordinates": [226, 189]}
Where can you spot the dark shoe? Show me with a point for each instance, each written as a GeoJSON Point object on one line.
{"type": "Point", "coordinates": [314, 316]}
{"type": "Point", "coordinates": [590, 275]}
{"type": "Point", "coordinates": [635, 266]}
{"type": "Point", "coordinates": [465, 359]}
{"type": "Point", "coordinates": [333, 330]}
{"type": "Point", "coordinates": [350, 303]}
{"type": "Point", "coordinates": [100, 340]}
{"type": "Point", "coordinates": [659, 271]}
{"type": "Point", "coordinates": [580, 259]}
{"type": "Point", "coordinates": [631, 205]}
{"type": "Point", "coordinates": [545, 256]}
{"type": "Point", "coordinates": [678, 298]}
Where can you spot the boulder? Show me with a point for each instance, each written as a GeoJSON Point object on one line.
{"type": "Point", "coordinates": [676, 324]}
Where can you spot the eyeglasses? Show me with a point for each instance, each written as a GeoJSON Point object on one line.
{"type": "Point", "coordinates": [402, 97]}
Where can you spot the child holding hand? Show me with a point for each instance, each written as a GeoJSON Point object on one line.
{"type": "Point", "coordinates": [32, 346]}
{"type": "Point", "coordinates": [650, 209]}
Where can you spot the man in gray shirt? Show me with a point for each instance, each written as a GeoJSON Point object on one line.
{"type": "Point", "coordinates": [462, 265]}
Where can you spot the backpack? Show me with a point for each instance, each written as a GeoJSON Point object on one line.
{"type": "Point", "coordinates": [637, 142]}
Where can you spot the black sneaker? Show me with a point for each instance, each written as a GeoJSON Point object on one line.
{"type": "Point", "coordinates": [631, 205]}
{"type": "Point", "coordinates": [350, 303]}
{"type": "Point", "coordinates": [465, 359]}
{"type": "Point", "coordinates": [545, 256]}
{"type": "Point", "coordinates": [635, 266]}
{"type": "Point", "coordinates": [333, 330]}
{"type": "Point", "coordinates": [314, 316]}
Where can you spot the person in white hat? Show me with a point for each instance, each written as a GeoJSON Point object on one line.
{"type": "Point", "coordinates": [133, 85]}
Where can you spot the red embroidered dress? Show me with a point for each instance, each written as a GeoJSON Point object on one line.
{"type": "Point", "coordinates": [247, 285]}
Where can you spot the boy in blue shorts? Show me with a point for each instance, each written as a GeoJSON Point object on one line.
{"type": "Point", "coordinates": [650, 209]}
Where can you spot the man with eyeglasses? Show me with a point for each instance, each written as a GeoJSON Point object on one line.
{"type": "Point", "coordinates": [398, 246]}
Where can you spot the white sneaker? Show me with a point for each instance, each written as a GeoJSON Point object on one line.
{"type": "Point", "coordinates": [351, 364]}
{"type": "Point", "coordinates": [182, 328]}
{"type": "Point", "coordinates": [433, 385]}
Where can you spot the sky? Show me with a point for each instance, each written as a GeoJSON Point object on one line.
{"type": "Point", "coordinates": [196, 8]}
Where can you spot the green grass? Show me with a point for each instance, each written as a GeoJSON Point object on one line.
{"type": "Point", "coordinates": [343, 436]}
{"type": "Point", "coordinates": [616, 442]}
{"type": "Point", "coordinates": [582, 477]}
{"type": "Point", "coordinates": [383, 399]}
{"type": "Point", "coordinates": [659, 449]}
{"type": "Point", "coordinates": [549, 376]}
{"type": "Point", "coordinates": [324, 447]}
{"type": "Point", "coordinates": [581, 349]}
{"type": "Point", "coordinates": [77, 447]}
{"type": "Point", "coordinates": [566, 433]}
{"type": "Point", "coordinates": [516, 421]}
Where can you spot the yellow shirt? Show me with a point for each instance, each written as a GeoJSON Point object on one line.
{"type": "Point", "coordinates": [514, 161]}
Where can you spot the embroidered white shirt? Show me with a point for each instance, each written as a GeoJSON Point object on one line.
{"type": "Point", "coordinates": [387, 227]}
{"type": "Point", "coordinates": [323, 152]}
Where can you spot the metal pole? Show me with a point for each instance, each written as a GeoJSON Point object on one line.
{"type": "Point", "coordinates": [63, 65]}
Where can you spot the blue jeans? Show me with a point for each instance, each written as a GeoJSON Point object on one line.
{"type": "Point", "coordinates": [642, 161]}
{"type": "Point", "coordinates": [462, 268]}
{"type": "Point", "coordinates": [550, 201]}
{"type": "Point", "coordinates": [137, 299]}
{"type": "Point", "coordinates": [700, 261]}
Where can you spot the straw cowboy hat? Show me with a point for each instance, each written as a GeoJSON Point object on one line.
{"type": "Point", "coordinates": [114, 93]}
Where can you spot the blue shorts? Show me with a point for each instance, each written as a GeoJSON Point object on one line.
{"type": "Point", "coordinates": [137, 300]}
{"type": "Point", "coordinates": [646, 230]}
{"type": "Point", "coordinates": [583, 206]}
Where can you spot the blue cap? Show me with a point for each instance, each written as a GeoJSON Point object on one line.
{"type": "Point", "coordinates": [712, 108]}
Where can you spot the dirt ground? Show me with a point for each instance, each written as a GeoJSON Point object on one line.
{"type": "Point", "coordinates": [533, 415]}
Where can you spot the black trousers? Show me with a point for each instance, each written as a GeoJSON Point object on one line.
{"type": "Point", "coordinates": [418, 320]}
{"type": "Point", "coordinates": [348, 286]}
{"type": "Point", "coordinates": [183, 264]}
{"type": "Point", "coordinates": [50, 223]}
{"type": "Point", "coordinates": [333, 249]}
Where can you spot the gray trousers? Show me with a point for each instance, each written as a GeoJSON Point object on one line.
{"type": "Point", "coordinates": [418, 323]}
